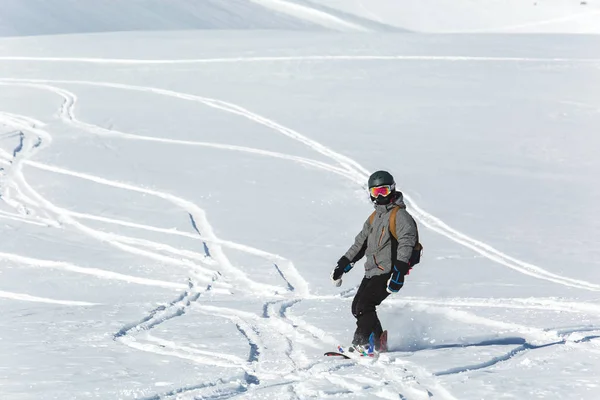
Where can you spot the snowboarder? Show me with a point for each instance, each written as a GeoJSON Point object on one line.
{"type": "Point", "coordinates": [389, 257]}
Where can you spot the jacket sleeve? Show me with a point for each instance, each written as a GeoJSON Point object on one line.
{"type": "Point", "coordinates": [357, 250]}
{"type": "Point", "coordinates": [408, 236]}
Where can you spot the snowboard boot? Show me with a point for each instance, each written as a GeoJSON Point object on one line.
{"type": "Point", "coordinates": [381, 344]}
{"type": "Point", "coordinates": [362, 349]}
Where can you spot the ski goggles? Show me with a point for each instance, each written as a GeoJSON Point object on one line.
{"type": "Point", "coordinates": [384, 190]}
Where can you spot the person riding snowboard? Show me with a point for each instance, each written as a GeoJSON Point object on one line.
{"type": "Point", "coordinates": [389, 257]}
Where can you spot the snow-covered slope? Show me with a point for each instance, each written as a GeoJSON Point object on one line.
{"type": "Point", "coordinates": [170, 219]}
{"type": "Point", "coordinates": [172, 204]}
{"type": "Point", "coordinates": [40, 17]}
{"type": "Point", "coordinates": [511, 16]}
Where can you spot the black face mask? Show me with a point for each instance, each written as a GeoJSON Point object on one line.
{"type": "Point", "coordinates": [381, 200]}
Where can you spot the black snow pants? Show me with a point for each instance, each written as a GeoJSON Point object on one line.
{"type": "Point", "coordinates": [370, 294]}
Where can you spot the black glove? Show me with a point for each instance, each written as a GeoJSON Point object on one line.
{"type": "Point", "coordinates": [343, 265]}
{"type": "Point", "coordinates": [396, 281]}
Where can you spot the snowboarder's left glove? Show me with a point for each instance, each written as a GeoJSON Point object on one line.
{"type": "Point", "coordinates": [396, 281]}
{"type": "Point", "coordinates": [343, 265]}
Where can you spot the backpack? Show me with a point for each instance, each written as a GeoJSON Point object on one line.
{"type": "Point", "coordinates": [417, 251]}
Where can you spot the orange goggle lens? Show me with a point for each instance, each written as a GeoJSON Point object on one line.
{"type": "Point", "coordinates": [380, 191]}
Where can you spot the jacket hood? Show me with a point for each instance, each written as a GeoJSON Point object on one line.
{"type": "Point", "coordinates": [397, 201]}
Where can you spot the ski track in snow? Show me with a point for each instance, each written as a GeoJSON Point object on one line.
{"type": "Point", "coordinates": [36, 299]}
{"type": "Point", "coordinates": [531, 303]}
{"type": "Point", "coordinates": [354, 57]}
{"type": "Point", "coordinates": [98, 273]}
{"type": "Point", "coordinates": [310, 14]}
{"type": "Point", "coordinates": [21, 218]}
{"type": "Point", "coordinates": [29, 145]}
{"type": "Point", "coordinates": [405, 379]}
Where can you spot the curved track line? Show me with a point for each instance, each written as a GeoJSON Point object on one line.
{"type": "Point", "coordinates": [546, 304]}
{"type": "Point", "coordinates": [20, 218]}
{"type": "Point", "coordinates": [247, 329]}
{"type": "Point", "coordinates": [427, 379]}
{"type": "Point", "coordinates": [234, 60]}
{"type": "Point", "coordinates": [222, 388]}
{"type": "Point", "coordinates": [280, 348]}
{"type": "Point", "coordinates": [299, 323]}
{"type": "Point", "coordinates": [172, 231]}
{"type": "Point", "coordinates": [19, 201]}
{"type": "Point", "coordinates": [168, 343]}
{"type": "Point", "coordinates": [357, 174]}
{"type": "Point", "coordinates": [190, 255]}
{"type": "Point", "coordinates": [534, 335]}
{"type": "Point", "coordinates": [24, 119]}
{"type": "Point", "coordinates": [180, 306]}
{"type": "Point", "coordinates": [440, 307]}
{"type": "Point", "coordinates": [162, 350]}
{"type": "Point", "coordinates": [491, 253]}
{"type": "Point", "coordinates": [98, 273]}
{"type": "Point", "coordinates": [311, 15]}
{"type": "Point", "coordinates": [36, 299]}
{"type": "Point", "coordinates": [27, 148]}
{"type": "Point", "coordinates": [288, 266]}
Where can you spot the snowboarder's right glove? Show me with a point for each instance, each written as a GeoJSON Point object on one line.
{"type": "Point", "coordinates": [343, 265]}
{"type": "Point", "coordinates": [396, 281]}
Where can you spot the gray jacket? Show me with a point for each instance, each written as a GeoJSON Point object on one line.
{"type": "Point", "coordinates": [379, 246]}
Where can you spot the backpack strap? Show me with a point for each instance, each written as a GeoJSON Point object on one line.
{"type": "Point", "coordinates": [372, 218]}
{"type": "Point", "coordinates": [417, 250]}
{"type": "Point", "coordinates": [418, 246]}
{"type": "Point", "coordinates": [393, 222]}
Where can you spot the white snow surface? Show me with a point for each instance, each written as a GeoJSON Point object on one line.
{"type": "Point", "coordinates": [39, 17]}
{"type": "Point", "coordinates": [172, 202]}
{"type": "Point", "coordinates": [510, 16]}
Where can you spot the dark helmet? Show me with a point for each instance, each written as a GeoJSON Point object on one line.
{"type": "Point", "coordinates": [382, 178]}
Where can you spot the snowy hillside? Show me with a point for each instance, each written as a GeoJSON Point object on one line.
{"type": "Point", "coordinates": [469, 16]}
{"type": "Point", "coordinates": [172, 203]}
{"type": "Point", "coordinates": [39, 17]}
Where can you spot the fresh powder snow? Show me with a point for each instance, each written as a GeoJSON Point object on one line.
{"type": "Point", "coordinates": [179, 178]}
